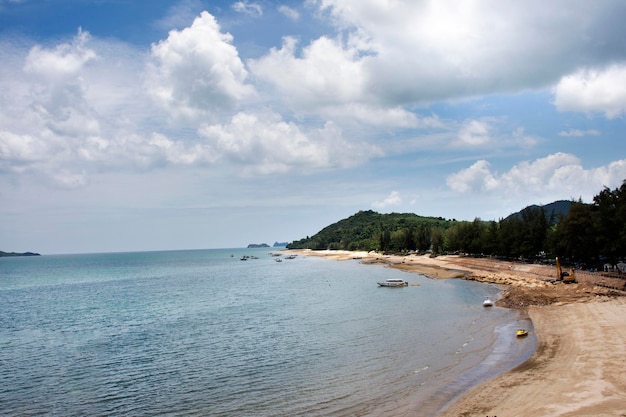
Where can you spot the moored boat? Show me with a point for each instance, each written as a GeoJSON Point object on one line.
{"type": "Point", "coordinates": [393, 282]}
{"type": "Point", "coordinates": [487, 302]}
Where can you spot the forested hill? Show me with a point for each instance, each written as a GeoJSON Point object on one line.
{"type": "Point", "coordinates": [553, 210]}
{"type": "Point", "coordinates": [586, 233]}
{"type": "Point", "coordinates": [368, 230]}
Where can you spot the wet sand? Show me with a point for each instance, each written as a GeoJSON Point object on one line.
{"type": "Point", "coordinates": [578, 368]}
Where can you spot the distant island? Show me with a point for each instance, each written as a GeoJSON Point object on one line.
{"type": "Point", "coordinates": [258, 245]}
{"type": "Point", "coordinates": [7, 254]}
{"type": "Point", "coordinates": [280, 244]}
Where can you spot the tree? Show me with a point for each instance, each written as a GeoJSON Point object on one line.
{"type": "Point", "coordinates": [575, 234]}
{"type": "Point", "coordinates": [437, 239]}
{"type": "Point", "coordinates": [423, 238]}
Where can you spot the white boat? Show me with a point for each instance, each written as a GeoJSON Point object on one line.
{"type": "Point", "coordinates": [393, 283]}
{"type": "Point", "coordinates": [487, 303]}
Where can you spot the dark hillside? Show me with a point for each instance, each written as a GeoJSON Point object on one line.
{"type": "Point", "coordinates": [553, 210]}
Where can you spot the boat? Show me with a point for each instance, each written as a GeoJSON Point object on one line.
{"type": "Point", "coordinates": [522, 333]}
{"type": "Point", "coordinates": [393, 282]}
{"type": "Point", "coordinates": [487, 302]}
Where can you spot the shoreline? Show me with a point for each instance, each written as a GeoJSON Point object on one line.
{"type": "Point", "coordinates": [581, 334]}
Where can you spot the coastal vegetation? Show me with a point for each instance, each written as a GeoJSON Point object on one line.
{"type": "Point", "coordinates": [590, 234]}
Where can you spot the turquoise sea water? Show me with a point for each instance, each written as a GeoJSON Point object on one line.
{"type": "Point", "coordinates": [203, 333]}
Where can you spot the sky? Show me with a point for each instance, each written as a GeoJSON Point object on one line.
{"type": "Point", "coordinates": [130, 125]}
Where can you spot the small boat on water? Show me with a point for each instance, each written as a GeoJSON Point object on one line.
{"type": "Point", "coordinates": [487, 303]}
{"type": "Point", "coordinates": [522, 333]}
{"type": "Point", "coordinates": [393, 282]}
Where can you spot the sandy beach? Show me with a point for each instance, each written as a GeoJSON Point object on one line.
{"type": "Point", "coordinates": [578, 368]}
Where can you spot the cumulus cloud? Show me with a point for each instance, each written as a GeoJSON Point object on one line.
{"type": "Point", "coordinates": [325, 74]}
{"type": "Point", "coordinates": [474, 133]}
{"type": "Point", "coordinates": [550, 177]}
{"type": "Point", "coordinates": [65, 60]}
{"type": "Point", "coordinates": [392, 200]}
{"type": "Point", "coordinates": [86, 106]}
{"type": "Point", "coordinates": [267, 144]}
{"type": "Point", "coordinates": [197, 70]}
{"type": "Point", "coordinates": [58, 92]}
{"type": "Point", "coordinates": [16, 151]}
{"type": "Point", "coordinates": [594, 91]}
{"type": "Point", "coordinates": [63, 105]}
{"type": "Point", "coordinates": [432, 50]}
{"type": "Point", "coordinates": [476, 178]}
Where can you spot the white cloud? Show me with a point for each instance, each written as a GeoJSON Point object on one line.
{"type": "Point", "coordinates": [476, 178]}
{"type": "Point", "coordinates": [439, 49]}
{"type": "Point", "coordinates": [474, 133]}
{"type": "Point", "coordinates": [548, 178]}
{"type": "Point", "coordinates": [579, 133]}
{"type": "Point", "coordinates": [198, 70]}
{"type": "Point", "coordinates": [363, 114]}
{"type": "Point", "coordinates": [65, 107]}
{"type": "Point", "coordinates": [57, 87]}
{"type": "Point", "coordinates": [266, 144]}
{"type": "Point", "coordinates": [64, 61]}
{"type": "Point", "coordinates": [326, 74]}
{"type": "Point", "coordinates": [252, 9]}
{"type": "Point", "coordinates": [289, 12]}
{"type": "Point", "coordinates": [392, 200]}
{"type": "Point", "coordinates": [594, 90]}
{"type": "Point", "coordinates": [18, 151]}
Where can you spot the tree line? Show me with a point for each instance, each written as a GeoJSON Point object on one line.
{"type": "Point", "coordinates": [584, 233]}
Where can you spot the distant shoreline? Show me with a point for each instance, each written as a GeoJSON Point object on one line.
{"type": "Point", "coordinates": [13, 254]}
{"type": "Point", "coordinates": [580, 330]}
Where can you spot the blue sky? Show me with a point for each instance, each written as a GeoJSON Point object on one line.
{"type": "Point", "coordinates": [134, 125]}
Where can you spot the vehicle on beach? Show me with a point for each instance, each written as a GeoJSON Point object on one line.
{"type": "Point", "coordinates": [487, 302]}
{"type": "Point", "coordinates": [393, 282]}
{"type": "Point", "coordinates": [522, 333]}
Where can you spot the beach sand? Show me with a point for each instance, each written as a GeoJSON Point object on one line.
{"type": "Point", "coordinates": [580, 363]}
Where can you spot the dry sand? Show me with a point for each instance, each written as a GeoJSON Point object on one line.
{"type": "Point", "coordinates": [579, 368]}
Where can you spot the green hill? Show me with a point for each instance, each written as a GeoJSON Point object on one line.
{"type": "Point", "coordinates": [369, 230]}
{"type": "Point", "coordinates": [589, 234]}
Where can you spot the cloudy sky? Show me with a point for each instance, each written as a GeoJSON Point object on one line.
{"type": "Point", "coordinates": [131, 125]}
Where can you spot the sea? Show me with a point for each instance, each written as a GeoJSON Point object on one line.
{"type": "Point", "coordinates": [205, 333]}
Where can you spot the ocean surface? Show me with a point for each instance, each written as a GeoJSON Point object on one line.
{"type": "Point", "coordinates": [202, 333]}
